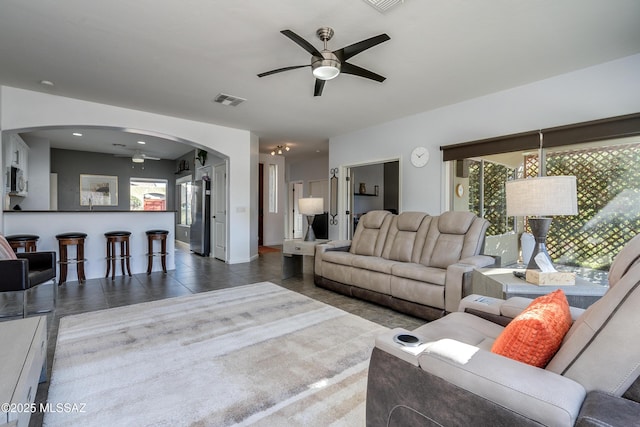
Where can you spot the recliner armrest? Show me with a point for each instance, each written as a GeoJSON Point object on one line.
{"type": "Point", "coordinates": [535, 393]}
{"type": "Point", "coordinates": [14, 274]}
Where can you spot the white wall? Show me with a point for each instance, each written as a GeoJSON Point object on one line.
{"type": "Point", "coordinates": [273, 223]}
{"type": "Point", "coordinates": [23, 110]}
{"type": "Point", "coordinates": [601, 91]}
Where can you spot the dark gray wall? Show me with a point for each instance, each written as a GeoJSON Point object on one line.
{"type": "Point", "coordinates": [69, 164]}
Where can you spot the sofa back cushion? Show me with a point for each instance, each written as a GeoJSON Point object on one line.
{"type": "Point", "coordinates": [451, 237]}
{"type": "Point", "coordinates": [406, 237]}
{"type": "Point", "coordinates": [371, 233]}
{"type": "Point", "coordinates": [601, 350]}
{"type": "Point", "coordinates": [626, 258]}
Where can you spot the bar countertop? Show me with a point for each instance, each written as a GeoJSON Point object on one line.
{"type": "Point", "coordinates": [84, 211]}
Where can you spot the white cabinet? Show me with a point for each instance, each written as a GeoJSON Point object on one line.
{"type": "Point", "coordinates": [16, 155]}
{"type": "Point", "coordinates": [17, 152]}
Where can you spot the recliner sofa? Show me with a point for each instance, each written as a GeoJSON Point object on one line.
{"type": "Point", "coordinates": [592, 380]}
{"type": "Point", "coordinates": [412, 262]}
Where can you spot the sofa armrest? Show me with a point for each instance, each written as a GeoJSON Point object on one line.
{"type": "Point", "coordinates": [457, 275]}
{"type": "Point", "coordinates": [334, 245]}
{"type": "Point", "coordinates": [14, 274]}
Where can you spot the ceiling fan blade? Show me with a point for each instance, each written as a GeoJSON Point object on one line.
{"type": "Point", "coordinates": [319, 86]}
{"type": "Point", "coordinates": [150, 158]}
{"type": "Point", "coordinates": [279, 70]}
{"type": "Point", "coordinates": [302, 42]}
{"type": "Point", "coordinates": [360, 72]}
{"type": "Point", "coordinates": [354, 49]}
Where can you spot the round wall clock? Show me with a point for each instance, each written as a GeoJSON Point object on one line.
{"type": "Point", "coordinates": [459, 190]}
{"type": "Point", "coordinates": [419, 157]}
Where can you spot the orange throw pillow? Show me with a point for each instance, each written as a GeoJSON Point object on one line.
{"type": "Point", "coordinates": [535, 335]}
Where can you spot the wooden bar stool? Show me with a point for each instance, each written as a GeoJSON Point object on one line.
{"type": "Point", "coordinates": [162, 236]}
{"type": "Point", "coordinates": [25, 241]}
{"type": "Point", "coordinates": [70, 239]}
{"type": "Point", "coordinates": [114, 237]}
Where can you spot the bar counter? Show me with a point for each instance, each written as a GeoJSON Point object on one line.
{"type": "Point", "coordinates": [47, 224]}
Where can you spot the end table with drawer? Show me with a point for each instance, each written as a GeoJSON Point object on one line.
{"type": "Point", "coordinates": [293, 252]}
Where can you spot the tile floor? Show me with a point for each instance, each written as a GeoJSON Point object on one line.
{"type": "Point", "coordinates": [194, 274]}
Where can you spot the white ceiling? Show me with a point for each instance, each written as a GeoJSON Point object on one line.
{"type": "Point", "coordinates": [173, 57]}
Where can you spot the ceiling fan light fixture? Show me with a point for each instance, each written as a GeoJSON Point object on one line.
{"type": "Point", "coordinates": [326, 68]}
{"type": "Point", "coordinates": [137, 158]}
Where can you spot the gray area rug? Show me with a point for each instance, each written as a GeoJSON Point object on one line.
{"type": "Point", "coordinates": [252, 355]}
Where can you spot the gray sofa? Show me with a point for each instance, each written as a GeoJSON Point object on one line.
{"type": "Point", "coordinates": [412, 262]}
{"type": "Point", "coordinates": [454, 378]}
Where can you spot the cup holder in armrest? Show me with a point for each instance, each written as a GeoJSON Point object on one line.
{"type": "Point", "coordinates": [407, 340]}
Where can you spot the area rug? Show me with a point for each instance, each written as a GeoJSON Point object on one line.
{"type": "Point", "coordinates": [251, 355]}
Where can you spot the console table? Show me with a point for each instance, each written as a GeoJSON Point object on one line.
{"type": "Point", "coordinates": [501, 283]}
{"type": "Point", "coordinates": [293, 251]}
{"type": "Point", "coordinates": [23, 362]}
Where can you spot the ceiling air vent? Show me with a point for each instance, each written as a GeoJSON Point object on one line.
{"type": "Point", "coordinates": [230, 100]}
{"type": "Point", "coordinates": [383, 5]}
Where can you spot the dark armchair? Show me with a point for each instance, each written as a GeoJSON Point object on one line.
{"type": "Point", "coordinates": [29, 270]}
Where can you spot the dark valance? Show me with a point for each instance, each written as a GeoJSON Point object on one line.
{"type": "Point", "coordinates": [610, 128]}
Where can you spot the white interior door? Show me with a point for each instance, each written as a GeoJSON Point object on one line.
{"type": "Point", "coordinates": [220, 212]}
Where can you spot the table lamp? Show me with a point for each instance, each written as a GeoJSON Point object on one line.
{"type": "Point", "coordinates": [310, 207]}
{"type": "Point", "coordinates": [538, 199]}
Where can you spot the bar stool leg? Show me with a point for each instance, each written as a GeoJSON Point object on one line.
{"type": "Point", "coordinates": [109, 258]}
{"type": "Point", "coordinates": [127, 257]}
{"type": "Point", "coordinates": [163, 257]}
{"type": "Point", "coordinates": [80, 261]}
{"type": "Point", "coordinates": [63, 262]}
{"type": "Point", "coordinates": [149, 255]}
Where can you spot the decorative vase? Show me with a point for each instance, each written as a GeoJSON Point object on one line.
{"type": "Point", "coordinates": [363, 188]}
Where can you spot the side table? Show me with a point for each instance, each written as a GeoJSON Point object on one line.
{"type": "Point", "coordinates": [293, 252]}
{"type": "Point", "coordinates": [501, 283]}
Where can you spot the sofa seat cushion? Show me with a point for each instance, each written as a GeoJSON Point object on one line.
{"type": "Point", "coordinates": [418, 292]}
{"type": "Point", "coordinates": [463, 327]}
{"type": "Point", "coordinates": [373, 263]}
{"type": "Point", "coordinates": [338, 257]}
{"type": "Point", "coordinates": [419, 272]}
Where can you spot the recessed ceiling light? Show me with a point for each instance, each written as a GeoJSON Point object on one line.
{"type": "Point", "coordinates": [46, 82]}
{"type": "Point", "coordinates": [77, 134]}
{"type": "Point", "coordinates": [141, 142]}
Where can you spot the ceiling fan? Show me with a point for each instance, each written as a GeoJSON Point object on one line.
{"type": "Point", "coordinates": [327, 64]}
{"type": "Point", "coordinates": [138, 156]}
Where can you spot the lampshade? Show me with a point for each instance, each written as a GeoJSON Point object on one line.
{"type": "Point", "coordinates": [311, 206]}
{"type": "Point", "coordinates": [542, 196]}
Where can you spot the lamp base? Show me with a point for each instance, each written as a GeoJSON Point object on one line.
{"type": "Point", "coordinates": [539, 229]}
{"type": "Point", "coordinates": [310, 236]}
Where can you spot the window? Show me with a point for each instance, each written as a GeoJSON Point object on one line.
{"type": "Point", "coordinates": [608, 190]}
{"type": "Point", "coordinates": [147, 194]}
{"type": "Point", "coordinates": [273, 188]}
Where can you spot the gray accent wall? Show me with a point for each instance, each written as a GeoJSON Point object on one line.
{"type": "Point", "coordinates": [69, 164]}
